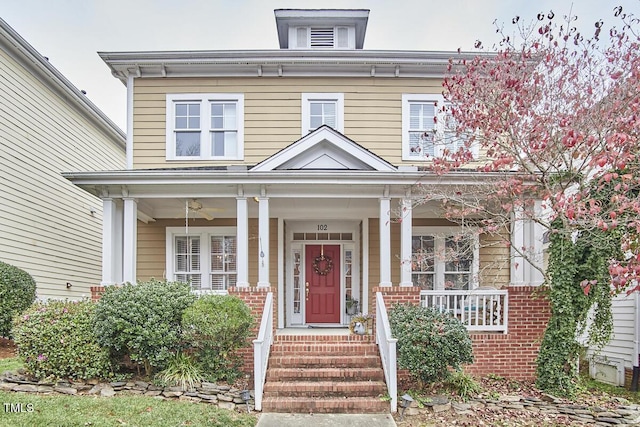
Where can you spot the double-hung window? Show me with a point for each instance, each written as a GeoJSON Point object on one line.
{"type": "Point", "coordinates": [428, 129]}
{"type": "Point", "coordinates": [205, 126]}
{"type": "Point", "coordinates": [205, 257]}
{"type": "Point", "coordinates": [442, 259]}
{"type": "Point", "coordinates": [322, 109]}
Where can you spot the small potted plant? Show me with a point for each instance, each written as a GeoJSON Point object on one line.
{"type": "Point", "coordinates": [351, 306]}
{"type": "Point", "coordinates": [360, 324]}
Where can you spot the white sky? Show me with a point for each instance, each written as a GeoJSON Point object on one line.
{"type": "Point", "coordinates": [71, 32]}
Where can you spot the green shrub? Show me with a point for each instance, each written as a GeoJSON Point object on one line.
{"type": "Point", "coordinates": [17, 292]}
{"type": "Point", "coordinates": [142, 321]}
{"type": "Point", "coordinates": [464, 385]}
{"type": "Point", "coordinates": [56, 339]}
{"type": "Point", "coordinates": [182, 371]}
{"type": "Point", "coordinates": [429, 342]}
{"type": "Point", "coordinates": [216, 326]}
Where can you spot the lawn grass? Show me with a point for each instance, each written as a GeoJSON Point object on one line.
{"type": "Point", "coordinates": [12, 364]}
{"type": "Point", "coordinates": [60, 410]}
{"type": "Point", "coordinates": [592, 386]}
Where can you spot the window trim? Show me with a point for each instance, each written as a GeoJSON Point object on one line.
{"type": "Point", "coordinates": [439, 234]}
{"type": "Point", "coordinates": [205, 124]}
{"type": "Point", "coordinates": [307, 98]}
{"type": "Point", "coordinates": [407, 100]}
{"type": "Point", "coordinates": [205, 234]}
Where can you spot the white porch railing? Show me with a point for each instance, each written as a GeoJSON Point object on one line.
{"type": "Point", "coordinates": [261, 348]}
{"type": "Point", "coordinates": [387, 345]}
{"type": "Point", "coordinates": [477, 309]}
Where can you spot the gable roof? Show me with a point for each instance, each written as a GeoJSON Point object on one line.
{"type": "Point", "coordinates": [324, 149]}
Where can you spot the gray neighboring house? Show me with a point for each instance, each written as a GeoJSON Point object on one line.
{"type": "Point", "coordinates": [49, 227]}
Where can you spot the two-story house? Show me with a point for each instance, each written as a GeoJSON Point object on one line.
{"type": "Point", "coordinates": [49, 227]}
{"type": "Point", "coordinates": [292, 172]}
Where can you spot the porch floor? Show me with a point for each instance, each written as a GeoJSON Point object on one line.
{"type": "Point", "coordinates": [337, 331]}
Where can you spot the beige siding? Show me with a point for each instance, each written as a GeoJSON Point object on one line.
{"type": "Point", "coordinates": [372, 116]}
{"type": "Point", "coordinates": [151, 256]}
{"type": "Point", "coordinates": [46, 225]}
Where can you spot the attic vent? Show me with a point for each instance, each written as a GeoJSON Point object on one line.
{"type": "Point", "coordinates": [321, 37]}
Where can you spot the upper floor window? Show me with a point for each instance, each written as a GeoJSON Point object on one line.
{"type": "Point", "coordinates": [322, 109]}
{"type": "Point", "coordinates": [443, 259]}
{"type": "Point", "coordinates": [205, 257]}
{"type": "Point", "coordinates": [205, 126]}
{"type": "Point", "coordinates": [322, 37]}
{"type": "Point", "coordinates": [427, 130]}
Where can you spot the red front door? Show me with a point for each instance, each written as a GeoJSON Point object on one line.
{"type": "Point", "coordinates": [322, 273]}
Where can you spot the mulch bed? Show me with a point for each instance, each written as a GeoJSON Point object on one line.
{"type": "Point", "coordinates": [7, 348]}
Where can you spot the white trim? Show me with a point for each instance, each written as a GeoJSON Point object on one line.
{"type": "Point", "coordinates": [281, 272]}
{"type": "Point", "coordinates": [263, 242]}
{"type": "Point", "coordinates": [205, 252]}
{"type": "Point", "coordinates": [440, 233]}
{"type": "Point", "coordinates": [295, 226]}
{"type": "Point", "coordinates": [108, 241]}
{"type": "Point", "coordinates": [204, 99]}
{"type": "Point", "coordinates": [242, 242]}
{"type": "Point", "coordinates": [342, 147]}
{"type": "Point", "coordinates": [130, 240]}
{"type": "Point", "coordinates": [405, 242]}
{"type": "Point", "coordinates": [385, 241]}
{"type": "Point", "coordinates": [129, 140]}
{"type": "Point", "coordinates": [365, 267]}
{"type": "Point", "coordinates": [307, 98]}
{"type": "Point", "coordinates": [407, 99]}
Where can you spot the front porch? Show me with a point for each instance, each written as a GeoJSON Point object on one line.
{"type": "Point", "coordinates": [510, 352]}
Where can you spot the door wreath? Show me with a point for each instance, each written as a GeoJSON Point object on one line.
{"type": "Point", "coordinates": [322, 265]}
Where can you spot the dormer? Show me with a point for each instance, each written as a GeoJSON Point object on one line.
{"type": "Point", "coordinates": [341, 29]}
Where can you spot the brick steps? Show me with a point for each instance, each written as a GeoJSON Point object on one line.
{"type": "Point", "coordinates": [362, 373]}
{"type": "Point", "coordinates": [321, 389]}
{"type": "Point", "coordinates": [325, 374]}
{"type": "Point", "coordinates": [305, 405]}
{"type": "Point", "coordinates": [311, 361]}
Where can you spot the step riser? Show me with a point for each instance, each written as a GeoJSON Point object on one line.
{"type": "Point", "coordinates": [325, 349]}
{"type": "Point", "coordinates": [324, 362]}
{"type": "Point", "coordinates": [325, 374]}
{"type": "Point", "coordinates": [344, 390]}
{"type": "Point", "coordinates": [325, 406]}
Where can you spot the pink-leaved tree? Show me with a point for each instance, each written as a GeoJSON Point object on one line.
{"type": "Point", "coordinates": [550, 116]}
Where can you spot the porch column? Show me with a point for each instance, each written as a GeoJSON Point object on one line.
{"type": "Point", "coordinates": [263, 241]}
{"type": "Point", "coordinates": [405, 242]}
{"type": "Point", "coordinates": [108, 241]}
{"type": "Point", "coordinates": [385, 241]}
{"type": "Point", "coordinates": [130, 239]}
{"type": "Point", "coordinates": [242, 242]}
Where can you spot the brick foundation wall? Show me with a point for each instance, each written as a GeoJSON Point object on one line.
{"type": "Point", "coordinates": [96, 293]}
{"type": "Point", "coordinates": [512, 355]}
{"type": "Point", "coordinates": [255, 298]}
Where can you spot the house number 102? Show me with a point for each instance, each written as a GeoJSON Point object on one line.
{"type": "Point", "coordinates": [322, 227]}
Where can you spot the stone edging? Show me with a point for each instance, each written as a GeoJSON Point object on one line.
{"type": "Point", "coordinates": [625, 414]}
{"type": "Point", "coordinates": [223, 396]}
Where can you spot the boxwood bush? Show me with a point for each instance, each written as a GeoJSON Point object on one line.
{"type": "Point", "coordinates": [17, 293]}
{"type": "Point", "coordinates": [216, 326]}
{"type": "Point", "coordinates": [142, 321]}
{"type": "Point", "coordinates": [429, 342]}
{"type": "Point", "coordinates": [56, 339]}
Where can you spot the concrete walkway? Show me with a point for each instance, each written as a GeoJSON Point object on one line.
{"type": "Point", "coordinates": [326, 420]}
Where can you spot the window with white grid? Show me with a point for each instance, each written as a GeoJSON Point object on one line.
{"type": "Point", "coordinates": [205, 126]}
{"type": "Point", "coordinates": [443, 259]}
{"type": "Point", "coordinates": [429, 128]}
{"type": "Point", "coordinates": [204, 257]}
{"type": "Point", "coordinates": [322, 109]}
